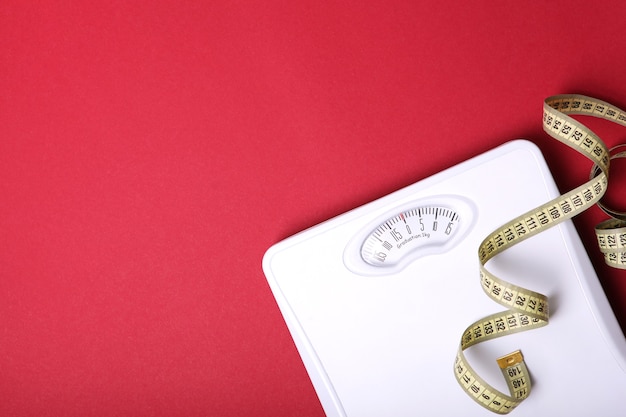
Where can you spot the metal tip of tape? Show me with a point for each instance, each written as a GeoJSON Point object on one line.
{"type": "Point", "coordinates": [511, 359]}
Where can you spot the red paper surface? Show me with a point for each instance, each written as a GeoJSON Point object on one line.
{"type": "Point", "coordinates": [150, 152]}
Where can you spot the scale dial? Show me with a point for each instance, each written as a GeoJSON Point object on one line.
{"type": "Point", "coordinates": [408, 232]}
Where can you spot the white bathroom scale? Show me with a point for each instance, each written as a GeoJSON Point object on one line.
{"type": "Point", "coordinates": [378, 331]}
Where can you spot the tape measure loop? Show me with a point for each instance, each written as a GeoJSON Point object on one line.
{"type": "Point", "coordinates": [516, 376]}
{"type": "Point", "coordinates": [616, 214]}
{"type": "Point", "coordinates": [528, 309]}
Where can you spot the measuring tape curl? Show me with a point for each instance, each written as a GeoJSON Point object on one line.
{"type": "Point", "coordinates": [526, 309]}
{"type": "Point", "coordinates": [611, 233]}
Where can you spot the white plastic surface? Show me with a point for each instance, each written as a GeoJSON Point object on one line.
{"type": "Point", "coordinates": [384, 345]}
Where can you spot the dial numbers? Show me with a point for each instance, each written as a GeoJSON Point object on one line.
{"type": "Point", "coordinates": [402, 234]}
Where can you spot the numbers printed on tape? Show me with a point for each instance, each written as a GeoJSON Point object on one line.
{"type": "Point", "coordinates": [526, 309]}
{"type": "Point", "coordinates": [611, 236]}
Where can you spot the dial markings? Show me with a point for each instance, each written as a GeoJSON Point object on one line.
{"type": "Point", "coordinates": [403, 234]}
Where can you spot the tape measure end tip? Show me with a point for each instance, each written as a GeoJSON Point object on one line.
{"type": "Point", "coordinates": [511, 359]}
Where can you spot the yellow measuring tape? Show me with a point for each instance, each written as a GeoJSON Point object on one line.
{"type": "Point", "coordinates": [527, 309]}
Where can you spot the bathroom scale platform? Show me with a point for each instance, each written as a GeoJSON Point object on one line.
{"type": "Point", "coordinates": [377, 299]}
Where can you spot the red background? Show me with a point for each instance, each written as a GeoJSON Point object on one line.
{"type": "Point", "coordinates": [150, 152]}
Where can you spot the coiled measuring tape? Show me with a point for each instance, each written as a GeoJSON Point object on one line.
{"type": "Point", "coordinates": [527, 309]}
